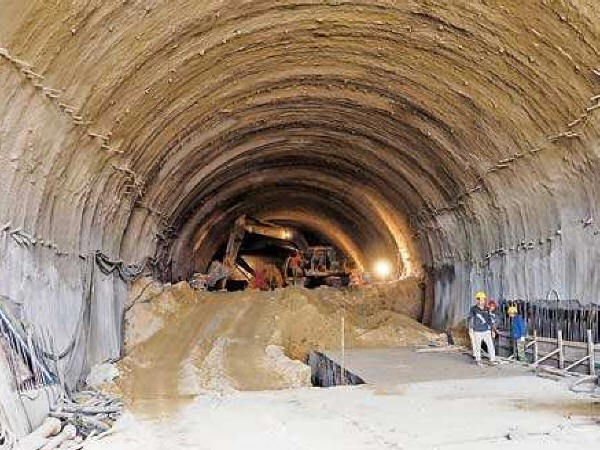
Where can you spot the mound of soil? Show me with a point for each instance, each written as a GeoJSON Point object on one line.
{"type": "Point", "coordinates": [181, 343]}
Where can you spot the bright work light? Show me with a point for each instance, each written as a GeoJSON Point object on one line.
{"type": "Point", "coordinates": [383, 269]}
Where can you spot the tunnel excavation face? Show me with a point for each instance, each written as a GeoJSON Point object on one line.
{"type": "Point", "coordinates": [456, 140]}
{"type": "Point", "coordinates": [318, 204]}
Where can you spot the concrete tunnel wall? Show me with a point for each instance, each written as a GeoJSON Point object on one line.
{"type": "Point", "coordinates": [461, 134]}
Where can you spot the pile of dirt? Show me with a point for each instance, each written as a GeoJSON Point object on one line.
{"type": "Point", "coordinates": [181, 343]}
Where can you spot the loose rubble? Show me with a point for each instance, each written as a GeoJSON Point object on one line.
{"type": "Point", "coordinates": [87, 416]}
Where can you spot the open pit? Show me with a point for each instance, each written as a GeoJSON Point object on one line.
{"type": "Point", "coordinates": [445, 146]}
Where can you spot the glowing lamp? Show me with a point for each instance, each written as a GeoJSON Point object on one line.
{"type": "Point", "coordinates": [383, 269]}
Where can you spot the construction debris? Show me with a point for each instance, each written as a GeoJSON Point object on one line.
{"type": "Point", "coordinates": [444, 349]}
{"type": "Point", "coordinates": [88, 416]}
{"type": "Point", "coordinates": [41, 435]}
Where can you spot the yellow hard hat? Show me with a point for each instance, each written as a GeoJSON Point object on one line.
{"type": "Point", "coordinates": [480, 295]}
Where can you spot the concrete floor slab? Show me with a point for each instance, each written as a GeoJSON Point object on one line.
{"type": "Point", "coordinates": [415, 401]}
{"type": "Point", "coordinates": [387, 367]}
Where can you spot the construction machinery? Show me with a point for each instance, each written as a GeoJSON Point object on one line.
{"type": "Point", "coordinates": [320, 265]}
{"type": "Point", "coordinates": [314, 265]}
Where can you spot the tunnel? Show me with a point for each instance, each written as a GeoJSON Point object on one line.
{"type": "Point", "coordinates": [456, 139]}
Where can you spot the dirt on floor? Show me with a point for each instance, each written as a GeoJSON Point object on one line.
{"type": "Point", "coordinates": [568, 409]}
{"type": "Point", "coordinates": [181, 343]}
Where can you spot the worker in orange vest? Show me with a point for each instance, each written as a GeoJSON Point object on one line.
{"type": "Point", "coordinates": [295, 265]}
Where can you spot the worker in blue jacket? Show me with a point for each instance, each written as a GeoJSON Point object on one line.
{"type": "Point", "coordinates": [518, 332]}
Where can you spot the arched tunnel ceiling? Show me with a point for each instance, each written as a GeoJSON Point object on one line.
{"type": "Point", "coordinates": [402, 124]}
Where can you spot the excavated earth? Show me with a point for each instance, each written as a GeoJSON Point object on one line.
{"type": "Point", "coordinates": [181, 343]}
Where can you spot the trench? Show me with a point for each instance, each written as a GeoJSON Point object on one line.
{"type": "Point", "coordinates": [325, 372]}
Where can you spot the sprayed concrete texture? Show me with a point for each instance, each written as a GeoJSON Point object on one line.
{"type": "Point", "coordinates": [457, 139]}
{"type": "Point", "coordinates": [246, 341]}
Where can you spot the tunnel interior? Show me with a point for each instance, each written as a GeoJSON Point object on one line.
{"type": "Point", "coordinates": [458, 140]}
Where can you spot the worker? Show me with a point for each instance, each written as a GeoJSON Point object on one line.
{"type": "Point", "coordinates": [295, 265]}
{"type": "Point", "coordinates": [492, 306]}
{"type": "Point", "coordinates": [260, 279]}
{"type": "Point", "coordinates": [518, 332]}
{"type": "Point", "coordinates": [356, 275]}
{"type": "Point", "coordinates": [480, 329]}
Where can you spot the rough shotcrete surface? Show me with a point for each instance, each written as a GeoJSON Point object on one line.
{"type": "Point", "coordinates": [460, 135]}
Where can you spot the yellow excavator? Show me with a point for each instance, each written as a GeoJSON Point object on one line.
{"type": "Point", "coordinates": [319, 264]}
